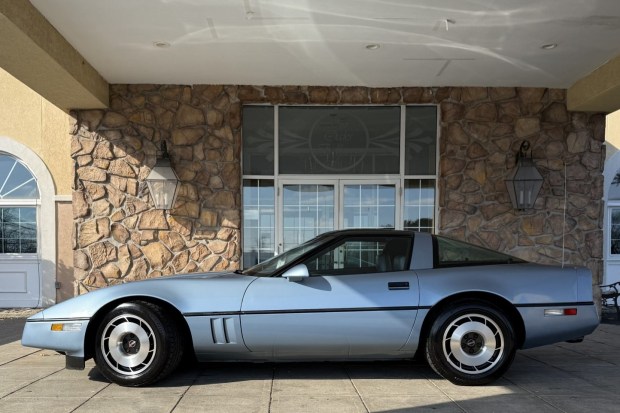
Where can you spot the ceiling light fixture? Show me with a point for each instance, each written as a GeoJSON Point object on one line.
{"type": "Point", "coordinates": [448, 22]}
{"type": "Point", "coordinates": [161, 44]}
{"type": "Point", "coordinates": [372, 46]}
{"type": "Point", "coordinates": [443, 24]}
{"type": "Point", "coordinates": [549, 46]}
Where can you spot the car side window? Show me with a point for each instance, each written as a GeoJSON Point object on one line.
{"type": "Point", "coordinates": [361, 256]}
{"type": "Point", "coordinates": [453, 253]}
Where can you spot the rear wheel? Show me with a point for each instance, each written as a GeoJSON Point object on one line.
{"type": "Point", "coordinates": [471, 344]}
{"type": "Point", "coordinates": [137, 344]}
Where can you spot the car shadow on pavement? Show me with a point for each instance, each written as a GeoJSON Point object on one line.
{"type": "Point", "coordinates": [206, 373]}
{"type": "Point", "coordinates": [12, 329]}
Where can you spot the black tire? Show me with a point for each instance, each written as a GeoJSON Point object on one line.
{"type": "Point", "coordinates": [137, 344]}
{"type": "Point", "coordinates": [471, 343]}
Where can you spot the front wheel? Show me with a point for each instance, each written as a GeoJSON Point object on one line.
{"type": "Point", "coordinates": [137, 344]}
{"type": "Point", "coordinates": [471, 344]}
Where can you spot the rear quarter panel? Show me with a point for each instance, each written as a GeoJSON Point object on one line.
{"type": "Point", "coordinates": [517, 283]}
{"type": "Point", "coordinates": [531, 288]}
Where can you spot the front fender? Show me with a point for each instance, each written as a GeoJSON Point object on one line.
{"type": "Point", "coordinates": [189, 294]}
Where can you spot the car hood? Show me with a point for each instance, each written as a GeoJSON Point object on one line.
{"type": "Point", "coordinates": [189, 293]}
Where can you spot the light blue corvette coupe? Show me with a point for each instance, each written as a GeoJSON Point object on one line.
{"type": "Point", "coordinates": [345, 295]}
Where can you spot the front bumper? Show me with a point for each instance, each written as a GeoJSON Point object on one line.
{"type": "Point", "coordinates": [38, 333]}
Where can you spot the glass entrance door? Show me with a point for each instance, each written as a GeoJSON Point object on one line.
{"type": "Point", "coordinates": [369, 204]}
{"type": "Point", "coordinates": [310, 208]}
{"type": "Point", "coordinates": [306, 210]}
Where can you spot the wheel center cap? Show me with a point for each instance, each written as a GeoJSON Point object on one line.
{"type": "Point", "coordinates": [131, 344]}
{"type": "Point", "coordinates": [472, 343]}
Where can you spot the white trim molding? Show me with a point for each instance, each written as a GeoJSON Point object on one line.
{"type": "Point", "coordinates": [47, 222]}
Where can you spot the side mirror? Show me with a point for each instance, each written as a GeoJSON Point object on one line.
{"type": "Point", "coordinates": [297, 273]}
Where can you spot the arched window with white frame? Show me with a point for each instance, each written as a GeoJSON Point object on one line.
{"type": "Point", "coordinates": [19, 196]}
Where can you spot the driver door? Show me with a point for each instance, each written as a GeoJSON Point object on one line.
{"type": "Point", "coordinates": [354, 303]}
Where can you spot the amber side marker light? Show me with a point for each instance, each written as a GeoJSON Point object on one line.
{"type": "Point", "coordinates": [560, 312]}
{"type": "Point", "coordinates": [66, 327]}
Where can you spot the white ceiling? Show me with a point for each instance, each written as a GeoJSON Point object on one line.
{"type": "Point", "coordinates": [323, 42]}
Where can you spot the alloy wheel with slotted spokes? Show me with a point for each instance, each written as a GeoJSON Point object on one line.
{"type": "Point", "coordinates": [128, 344]}
{"type": "Point", "coordinates": [138, 343]}
{"type": "Point", "coordinates": [473, 343]}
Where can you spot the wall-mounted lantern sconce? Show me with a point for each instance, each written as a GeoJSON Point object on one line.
{"type": "Point", "coordinates": [163, 182]}
{"type": "Point", "coordinates": [525, 182]}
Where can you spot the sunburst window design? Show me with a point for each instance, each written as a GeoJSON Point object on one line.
{"type": "Point", "coordinates": [17, 182]}
{"type": "Point", "coordinates": [18, 211]}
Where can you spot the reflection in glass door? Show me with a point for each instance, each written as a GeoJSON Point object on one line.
{"type": "Point", "coordinates": [310, 209]}
{"type": "Point", "coordinates": [369, 205]}
{"type": "Point", "coordinates": [307, 211]}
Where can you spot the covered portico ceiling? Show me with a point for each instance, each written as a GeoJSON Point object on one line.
{"type": "Point", "coordinates": [376, 43]}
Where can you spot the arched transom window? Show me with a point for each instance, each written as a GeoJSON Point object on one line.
{"type": "Point", "coordinates": [18, 207]}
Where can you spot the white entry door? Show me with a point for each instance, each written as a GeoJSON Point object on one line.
{"type": "Point", "coordinates": [20, 280]}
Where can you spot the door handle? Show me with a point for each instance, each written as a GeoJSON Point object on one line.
{"type": "Point", "coordinates": [398, 285]}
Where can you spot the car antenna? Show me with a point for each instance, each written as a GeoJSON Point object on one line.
{"type": "Point", "coordinates": [564, 220]}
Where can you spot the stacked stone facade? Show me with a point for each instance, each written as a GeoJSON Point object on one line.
{"type": "Point", "coordinates": [481, 134]}
{"type": "Point", "coordinates": [120, 237]}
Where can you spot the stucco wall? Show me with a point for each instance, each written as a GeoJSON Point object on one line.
{"type": "Point", "coordinates": [612, 134]}
{"type": "Point", "coordinates": [28, 118]}
{"type": "Point", "coordinates": [64, 252]}
{"type": "Point", "coordinates": [120, 237]}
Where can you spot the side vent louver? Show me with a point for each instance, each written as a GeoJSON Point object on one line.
{"type": "Point", "coordinates": [223, 331]}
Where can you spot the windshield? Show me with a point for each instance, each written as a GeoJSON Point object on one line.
{"type": "Point", "coordinates": [269, 267]}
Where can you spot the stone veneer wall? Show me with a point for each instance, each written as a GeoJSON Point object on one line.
{"type": "Point", "coordinates": [119, 237]}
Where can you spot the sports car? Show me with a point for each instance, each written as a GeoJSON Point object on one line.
{"type": "Point", "coordinates": [345, 295]}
